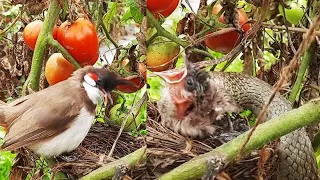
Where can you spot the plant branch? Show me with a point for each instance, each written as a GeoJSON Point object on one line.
{"type": "Point", "coordinates": [107, 171]}
{"type": "Point", "coordinates": [137, 105]}
{"type": "Point", "coordinates": [294, 29]}
{"type": "Point", "coordinates": [264, 133]}
{"type": "Point", "coordinates": [63, 51]}
{"type": "Point", "coordinates": [105, 30]}
{"type": "Point", "coordinates": [302, 70]}
{"type": "Point", "coordinates": [151, 38]}
{"type": "Point", "coordinates": [41, 44]}
{"type": "Point", "coordinates": [14, 21]}
{"type": "Point", "coordinates": [162, 32]}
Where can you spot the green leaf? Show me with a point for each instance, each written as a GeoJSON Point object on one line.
{"type": "Point", "coordinates": [135, 11]}
{"type": "Point", "coordinates": [6, 159]}
{"type": "Point", "coordinates": [108, 17]}
{"type": "Point", "coordinates": [126, 16]}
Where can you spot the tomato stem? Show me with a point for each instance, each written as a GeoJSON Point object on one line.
{"type": "Point", "coordinates": [63, 51]}
{"type": "Point", "coordinates": [162, 32]}
{"type": "Point", "coordinates": [41, 44]}
{"type": "Point", "coordinates": [104, 28]}
{"type": "Point", "coordinates": [302, 71]}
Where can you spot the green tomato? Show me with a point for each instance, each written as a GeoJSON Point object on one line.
{"type": "Point", "coordinates": [117, 116]}
{"type": "Point", "coordinates": [161, 50]}
{"type": "Point", "coordinates": [295, 14]}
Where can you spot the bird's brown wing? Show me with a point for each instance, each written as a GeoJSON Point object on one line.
{"type": "Point", "coordinates": [48, 116]}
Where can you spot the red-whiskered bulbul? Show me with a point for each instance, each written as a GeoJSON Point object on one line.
{"type": "Point", "coordinates": [55, 120]}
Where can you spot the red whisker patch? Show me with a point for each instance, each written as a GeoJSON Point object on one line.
{"type": "Point", "coordinates": [93, 76]}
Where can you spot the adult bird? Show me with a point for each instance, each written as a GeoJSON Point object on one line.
{"type": "Point", "coordinates": [192, 99]}
{"type": "Point", "coordinates": [55, 120]}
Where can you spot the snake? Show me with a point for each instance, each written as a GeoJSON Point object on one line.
{"type": "Point", "coordinates": [296, 154]}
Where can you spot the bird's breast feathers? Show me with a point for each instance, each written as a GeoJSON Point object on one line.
{"type": "Point", "coordinates": [68, 140]}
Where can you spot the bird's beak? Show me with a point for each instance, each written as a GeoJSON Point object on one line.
{"type": "Point", "coordinates": [181, 98]}
{"type": "Point", "coordinates": [107, 97]}
{"type": "Point", "coordinates": [118, 81]}
{"type": "Point", "coordinates": [173, 76]}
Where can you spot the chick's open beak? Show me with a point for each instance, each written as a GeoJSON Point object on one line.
{"type": "Point", "coordinates": [175, 80]}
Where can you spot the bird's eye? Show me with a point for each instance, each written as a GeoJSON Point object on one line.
{"type": "Point", "coordinates": [99, 81]}
{"type": "Point", "coordinates": [190, 85]}
{"type": "Point", "coordinates": [189, 82]}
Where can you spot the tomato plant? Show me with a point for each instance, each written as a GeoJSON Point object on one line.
{"type": "Point", "coordinates": [32, 31]}
{"type": "Point", "coordinates": [167, 12]}
{"type": "Point", "coordinates": [139, 81]}
{"type": "Point", "coordinates": [226, 42]}
{"type": "Point", "coordinates": [295, 13]}
{"type": "Point", "coordinates": [79, 39]}
{"type": "Point", "coordinates": [58, 69]}
{"type": "Point", "coordinates": [161, 51]}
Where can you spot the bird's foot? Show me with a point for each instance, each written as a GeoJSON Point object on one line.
{"type": "Point", "coordinates": [214, 165]}
{"type": "Point", "coordinates": [120, 171]}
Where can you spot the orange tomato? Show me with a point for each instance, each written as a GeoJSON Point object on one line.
{"type": "Point", "coordinates": [58, 69]}
{"type": "Point", "coordinates": [226, 42]}
{"type": "Point", "coordinates": [139, 81]}
{"type": "Point", "coordinates": [32, 31]}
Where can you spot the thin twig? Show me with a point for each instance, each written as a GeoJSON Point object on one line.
{"type": "Point", "coordinates": [14, 21]}
{"type": "Point", "coordinates": [294, 29]}
{"type": "Point", "coordinates": [137, 105]}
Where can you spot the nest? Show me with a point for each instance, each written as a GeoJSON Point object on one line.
{"type": "Point", "coordinates": [166, 150]}
{"type": "Point", "coordinates": [90, 155]}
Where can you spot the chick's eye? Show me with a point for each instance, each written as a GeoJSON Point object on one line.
{"type": "Point", "coordinates": [189, 84]}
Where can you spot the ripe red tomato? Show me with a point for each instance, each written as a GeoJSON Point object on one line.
{"type": "Point", "coordinates": [58, 69]}
{"type": "Point", "coordinates": [92, 62]}
{"type": "Point", "coordinates": [136, 80]}
{"type": "Point", "coordinates": [155, 6]}
{"type": "Point", "coordinates": [79, 39]}
{"type": "Point", "coordinates": [32, 31]}
{"type": "Point", "coordinates": [167, 12]}
{"type": "Point", "coordinates": [226, 42]}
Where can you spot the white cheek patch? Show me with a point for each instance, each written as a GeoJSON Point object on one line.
{"type": "Point", "coordinates": [89, 80]}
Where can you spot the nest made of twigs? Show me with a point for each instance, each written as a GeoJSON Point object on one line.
{"type": "Point", "coordinates": [90, 155]}
{"type": "Point", "coordinates": [167, 150]}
